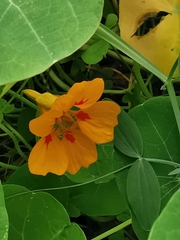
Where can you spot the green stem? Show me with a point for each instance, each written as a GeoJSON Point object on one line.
{"type": "Point", "coordinates": [63, 74]}
{"type": "Point", "coordinates": [8, 166]}
{"type": "Point", "coordinates": [17, 134]}
{"type": "Point", "coordinates": [11, 135]}
{"type": "Point", "coordinates": [112, 38]}
{"type": "Point", "coordinates": [113, 230]}
{"type": "Point", "coordinates": [15, 94]}
{"type": "Point", "coordinates": [162, 161]}
{"type": "Point", "coordinates": [141, 81]}
{"type": "Point", "coordinates": [174, 102]}
{"type": "Point", "coordinates": [58, 81]}
{"type": "Point", "coordinates": [26, 101]}
{"type": "Point", "coordinates": [118, 91]}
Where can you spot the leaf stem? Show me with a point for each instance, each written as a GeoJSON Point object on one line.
{"type": "Point", "coordinates": [58, 81]}
{"type": "Point", "coordinates": [63, 74]}
{"type": "Point", "coordinates": [113, 230]}
{"type": "Point", "coordinates": [174, 102]}
{"type": "Point", "coordinates": [8, 166]}
{"type": "Point", "coordinates": [18, 135]}
{"type": "Point", "coordinates": [6, 130]}
{"type": "Point", "coordinates": [140, 80]}
{"type": "Point", "coordinates": [112, 38]}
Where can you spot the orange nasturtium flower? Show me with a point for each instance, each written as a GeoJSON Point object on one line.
{"type": "Point", "coordinates": [69, 127]}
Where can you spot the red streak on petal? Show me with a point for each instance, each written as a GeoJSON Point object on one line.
{"type": "Point", "coordinates": [48, 139]}
{"type": "Point", "coordinates": [82, 116]}
{"type": "Point", "coordinates": [80, 102]}
{"type": "Point", "coordinates": [70, 137]}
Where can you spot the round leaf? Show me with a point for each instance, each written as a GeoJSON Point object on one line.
{"type": "Point", "coordinates": [34, 34]}
{"type": "Point", "coordinates": [166, 227]}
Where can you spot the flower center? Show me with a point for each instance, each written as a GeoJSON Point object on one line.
{"type": "Point", "coordinates": [64, 125]}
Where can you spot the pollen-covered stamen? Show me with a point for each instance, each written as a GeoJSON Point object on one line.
{"type": "Point", "coordinates": [82, 116]}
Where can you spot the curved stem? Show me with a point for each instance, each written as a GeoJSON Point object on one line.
{"type": "Point", "coordinates": [8, 166]}
{"type": "Point", "coordinates": [58, 81]}
{"type": "Point", "coordinates": [141, 81]}
{"type": "Point", "coordinates": [18, 135]}
{"type": "Point", "coordinates": [174, 102]}
{"type": "Point", "coordinates": [63, 74]}
{"type": "Point", "coordinates": [6, 130]}
{"type": "Point", "coordinates": [113, 230]}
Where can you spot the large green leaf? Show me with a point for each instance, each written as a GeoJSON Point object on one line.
{"type": "Point", "coordinates": [99, 199]}
{"type": "Point", "coordinates": [143, 193]}
{"type": "Point", "coordinates": [166, 227]}
{"type": "Point", "coordinates": [34, 34]}
{"type": "Point", "coordinates": [157, 125]}
{"type": "Point", "coordinates": [38, 216]}
{"type": "Point", "coordinates": [4, 223]}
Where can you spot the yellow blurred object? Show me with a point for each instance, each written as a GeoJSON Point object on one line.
{"type": "Point", "coordinates": [161, 45]}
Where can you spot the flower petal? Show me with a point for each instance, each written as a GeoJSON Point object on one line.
{"type": "Point", "coordinates": [45, 99]}
{"type": "Point", "coordinates": [42, 125]}
{"type": "Point", "coordinates": [100, 121]}
{"type": "Point", "coordinates": [51, 158]}
{"type": "Point", "coordinates": [62, 104]}
{"type": "Point", "coordinates": [81, 151]}
{"type": "Point", "coordinates": [86, 93]}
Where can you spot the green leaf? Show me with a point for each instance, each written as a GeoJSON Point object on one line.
{"type": "Point", "coordinates": [95, 52]}
{"type": "Point", "coordinates": [4, 223]}
{"type": "Point", "coordinates": [143, 193]}
{"type": "Point", "coordinates": [5, 107]}
{"type": "Point", "coordinates": [111, 20]}
{"type": "Point", "coordinates": [88, 198]}
{"type": "Point", "coordinates": [157, 125]}
{"type": "Point", "coordinates": [166, 226]}
{"type": "Point", "coordinates": [36, 34]}
{"type": "Point", "coordinates": [127, 137]}
{"type": "Point", "coordinates": [37, 215]}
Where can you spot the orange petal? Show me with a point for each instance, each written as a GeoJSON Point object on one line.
{"type": "Point", "coordinates": [99, 121]}
{"type": "Point", "coordinates": [62, 104]}
{"type": "Point", "coordinates": [52, 158]}
{"type": "Point", "coordinates": [42, 125]}
{"type": "Point", "coordinates": [81, 151]}
{"type": "Point", "coordinates": [86, 93]}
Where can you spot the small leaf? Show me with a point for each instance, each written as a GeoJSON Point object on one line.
{"type": "Point", "coordinates": [95, 52]}
{"type": "Point", "coordinates": [174, 172]}
{"type": "Point", "coordinates": [111, 20]}
{"type": "Point", "coordinates": [143, 193]}
{"type": "Point", "coordinates": [166, 226]}
{"type": "Point", "coordinates": [4, 223]}
{"type": "Point", "coordinates": [127, 137]}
